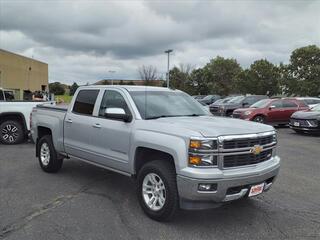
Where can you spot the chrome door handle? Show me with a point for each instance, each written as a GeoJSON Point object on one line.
{"type": "Point", "coordinates": [97, 125]}
{"type": "Point", "coordinates": [69, 120]}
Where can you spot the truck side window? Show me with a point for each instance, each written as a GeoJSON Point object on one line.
{"type": "Point", "coordinates": [85, 101]}
{"type": "Point", "coordinates": [113, 99]}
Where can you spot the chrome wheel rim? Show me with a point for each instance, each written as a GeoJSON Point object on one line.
{"type": "Point", "coordinates": [259, 119]}
{"type": "Point", "coordinates": [9, 133]}
{"type": "Point", "coordinates": [45, 154]}
{"type": "Point", "coordinates": [153, 192]}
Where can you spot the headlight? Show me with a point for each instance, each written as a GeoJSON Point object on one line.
{"type": "Point", "coordinates": [202, 152]}
{"type": "Point", "coordinates": [203, 160]}
{"type": "Point", "coordinates": [247, 113]}
{"type": "Point", "coordinates": [275, 137]}
{"type": "Point", "coordinates": [198, 145]}
{"type": "Point", "coordinates": [312, 123]}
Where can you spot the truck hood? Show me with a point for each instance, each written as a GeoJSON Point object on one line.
{"type": "Point", "coordinates": [209, 126]}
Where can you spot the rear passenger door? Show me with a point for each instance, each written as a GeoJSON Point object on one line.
{"type": "Point", "coordinates": [289, 108]}
{"type": "Point", "coordinates": [78, 130]}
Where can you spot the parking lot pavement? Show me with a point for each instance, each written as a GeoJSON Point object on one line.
{"type": "Point", "coordinates": [86, 202]}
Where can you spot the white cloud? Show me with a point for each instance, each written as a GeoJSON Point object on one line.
{"type": "Point", "coordinates": [83, 40]}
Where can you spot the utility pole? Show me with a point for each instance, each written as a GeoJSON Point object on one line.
{"type": "Point", "coordinates": [111, 73]}
{"type": "Point", "coordinates": [168, 69]}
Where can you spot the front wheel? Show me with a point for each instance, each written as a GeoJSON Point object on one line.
{"type": "Point", "coordinates": [157, 190]}
{"type": "Point", "coordinates": [48, 157]}
{"type": "Point", "coordinates": [259, 119]}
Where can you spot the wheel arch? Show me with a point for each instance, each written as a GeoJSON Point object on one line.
{"type": "Point", "coordinates": [14, 116]}
{"type": "Point", "coordinates": [42, 131]}
{"type": "Point", "coordinates": [144, 155]}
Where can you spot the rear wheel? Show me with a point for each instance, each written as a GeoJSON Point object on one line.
{"type": "Point", "coordinates": [157, 190]}
{"type": "Point", "coordinates": [11, 132]}
{"type": "Point", "coordinates": [259, 119]}
{"type": "Point", "coordinates": [48, 157]}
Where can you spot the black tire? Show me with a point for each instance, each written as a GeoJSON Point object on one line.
{"type": "Point", "coordinates": [166, 171]}
{"type": "Point", "coordinates": [229, 113]}
{"type": "Point", "coordinates": [11, 132]}
{"type": "Point", "coordinates": [299, 131]}
{"type": "Point", "coordinates": [259, 119]}
{"type": "Point", "coordinates": [54, 162]}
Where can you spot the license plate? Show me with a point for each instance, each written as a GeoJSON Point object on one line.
{"type": "Point", "coordinates": [256, 190]}
{"type": "Point", "coordinates": [296, 124]}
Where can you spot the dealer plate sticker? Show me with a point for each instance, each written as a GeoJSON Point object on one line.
{"type": "Point", "coordinates": [296, 124]}
{"type": "Point", "coordinates": [256, 190]}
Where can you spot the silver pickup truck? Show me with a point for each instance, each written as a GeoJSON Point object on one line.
{"type": "Point", "coordinates": [179, 154]}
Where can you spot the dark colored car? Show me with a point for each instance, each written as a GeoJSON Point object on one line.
{"type": "Point", "coordinates": [275, 111]}
{"type": "Point", "coordinates": [198, 97]}
{"type": "Point", "coordinates": [226, 109]}
{"type": "Point", "coordinates": [306, 121]}
{"type": "Point", "coordinates": [214, 107]}
{"type": "Point", "coordinates": [209, 99]}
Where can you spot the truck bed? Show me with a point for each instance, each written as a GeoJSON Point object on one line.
{"type": "Point", "coordinates": [62, 108]}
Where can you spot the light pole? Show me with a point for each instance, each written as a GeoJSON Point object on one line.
{"type": "Point", "coordinates": [111, 71]}
{"type": "Point", "coordinates": [168, 70]}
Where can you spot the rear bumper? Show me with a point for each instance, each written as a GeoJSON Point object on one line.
{"type": "Point", "coordinates": [228, 188]}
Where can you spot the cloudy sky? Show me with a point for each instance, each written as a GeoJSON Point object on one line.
{"type": "Point", "coordinates": [83, 40]}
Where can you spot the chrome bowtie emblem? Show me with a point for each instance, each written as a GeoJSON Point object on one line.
{"type": "Point", "coordinates": [256, 149]}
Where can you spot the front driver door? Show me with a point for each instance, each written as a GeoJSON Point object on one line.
{"type": "Point", "coordinates": [275, 111]}
{"type": "Point", "coordinates": [112, 137]}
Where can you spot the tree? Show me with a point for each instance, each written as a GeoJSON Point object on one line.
{"type": "Point", "coordinates": [180, 77]}
{"type": "Point", "coordinates": [302, 75]}
{"type": "Point", "coordinates": [131, 83]}
{"type": "Point", "coordinates": [148, 74]}
{"type": "Point", "coordinates": [121, 82]}
{"type": "Point", "coordinates": [261, 78]}
{"type": "Point", "coordinates": [73, 88]}
{"type": "Point", "coordinates": [199, 83]}
{"type": "Point", "coordinates": [221, 75]}
{"type": "Point", "coordinates": [56, 88]}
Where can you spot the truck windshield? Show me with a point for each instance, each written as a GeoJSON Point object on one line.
{"type": "Point", "coordinates": [157, 104]}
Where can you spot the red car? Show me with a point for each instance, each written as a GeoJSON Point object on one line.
{"type": "Point", "coordinates": [275, 111]}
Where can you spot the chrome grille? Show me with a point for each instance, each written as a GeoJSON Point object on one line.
{"type": "Point", "coordinates": [247, 142]}
{"type": "Point", "coordinates": [246, 159]}
{"type": "Point", "coordinates": [302, 122]}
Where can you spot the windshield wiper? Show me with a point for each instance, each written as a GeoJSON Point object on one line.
{"type": "Point", "coordinates": [162, 116]}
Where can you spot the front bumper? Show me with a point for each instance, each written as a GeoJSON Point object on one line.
{"type": "Point", "coordinates": [229, 186]}
{"type": "Point", "coordinates": [306, 129]}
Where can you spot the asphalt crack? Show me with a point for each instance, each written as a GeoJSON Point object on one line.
{"type": "Point", "coordinates": [57, 202]}
{"type": "Point", "coordinates": [122, 215]}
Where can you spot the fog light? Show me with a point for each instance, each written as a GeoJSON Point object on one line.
{"type": "Point", "coordinates": [207, 187]}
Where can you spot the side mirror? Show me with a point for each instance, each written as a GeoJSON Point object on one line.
{"type": "Point", "coordinates": [117, 114]}
{"type": "Point", "coordinates": [272, 107]}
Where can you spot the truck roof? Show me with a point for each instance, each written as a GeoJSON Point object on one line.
{"type": "Point", "coordinates": [131, 88]}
